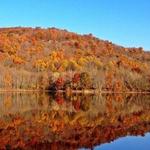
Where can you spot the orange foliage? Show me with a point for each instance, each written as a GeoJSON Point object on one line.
{"type": "Point", "coordinates": [35, 50]}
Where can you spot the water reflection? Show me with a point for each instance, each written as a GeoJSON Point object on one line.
{"type": "Point", "coordinates": [43, 121]}
{"type": "Point", "coordinates": [127, 143]}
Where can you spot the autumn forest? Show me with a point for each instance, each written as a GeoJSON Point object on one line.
{"type": "Point", "coordinates": [54, 59]}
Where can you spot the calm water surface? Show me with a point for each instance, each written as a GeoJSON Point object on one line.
{"type": "Point", "coordinates": [44, 121]}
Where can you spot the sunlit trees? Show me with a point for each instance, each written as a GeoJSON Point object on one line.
{"type": "Point", "coordinates": [36, 51]}
{"type": "Point", "coordinates": [109, 81]}
{"type": "Point", "coordinates": [85, 80]}
{"type": "Point", "coordinates": [43, 81]}
{"type": "Point", "coordinates": [72, 65]}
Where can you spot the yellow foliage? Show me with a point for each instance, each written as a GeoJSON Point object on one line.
{"type": "Point", "coordinates": [82, 61]}
{"type": "Point", "coordinates": [17, 60]}
{"type": "Point", "coordinates": [41, 65]}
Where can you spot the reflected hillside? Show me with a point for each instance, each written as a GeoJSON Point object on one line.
{"type": "Point", "coordinates": [39, 120]}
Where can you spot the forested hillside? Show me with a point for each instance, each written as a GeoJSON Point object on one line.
{"type": "Point", "coordinates": [36, 58]}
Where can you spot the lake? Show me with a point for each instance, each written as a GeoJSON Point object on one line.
{"type": "Point", "coordinates": [58, 121]}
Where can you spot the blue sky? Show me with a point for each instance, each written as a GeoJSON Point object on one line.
{"type": "Point", "coordinates": [124, 22]}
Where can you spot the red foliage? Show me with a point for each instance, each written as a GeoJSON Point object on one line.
{"type": "Point", "coordinates": [77, 104]}
{"type": "Point", "coordinates": [59, 83]}
{"type": "Point", "coordinates": [137, 70]}
{"type": "Point", "coordinates": [59, 100]}
{"type": "Point", "coordinates": [76, 78]}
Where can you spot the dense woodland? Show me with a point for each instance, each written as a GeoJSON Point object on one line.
{"type": "Point", "coordinates": [39, 59]}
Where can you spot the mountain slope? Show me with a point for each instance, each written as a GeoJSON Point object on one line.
{"type": "Point", "coordinates": [35, 58]}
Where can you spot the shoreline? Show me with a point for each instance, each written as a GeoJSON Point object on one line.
{"type": "Point", "coordinates": [74, 91]}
